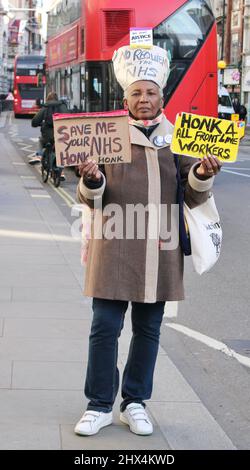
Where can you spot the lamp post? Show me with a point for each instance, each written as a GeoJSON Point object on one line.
{"type": "Point", "coordinates": [223, 30]}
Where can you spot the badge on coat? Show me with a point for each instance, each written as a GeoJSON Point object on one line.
{"type": "Point", "coordinates": [160, 140]}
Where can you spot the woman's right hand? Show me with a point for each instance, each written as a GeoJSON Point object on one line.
{"type": "Point", "coordinates": [90, 170]}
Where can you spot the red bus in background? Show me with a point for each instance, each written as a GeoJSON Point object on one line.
{"type": "Point", "coordinates": [79, 56]}
{"type": "Point", "coordinates": [29, 83]}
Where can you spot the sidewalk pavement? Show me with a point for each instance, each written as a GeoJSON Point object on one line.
{"type": "Point", "coordinates": [44, 325]}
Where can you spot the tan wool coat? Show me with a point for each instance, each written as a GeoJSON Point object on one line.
{"type": "Point", "coordinates": [138, 269]}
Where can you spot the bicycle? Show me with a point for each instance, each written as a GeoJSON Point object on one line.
{"type": "Point", "coordinates": [49, 166]}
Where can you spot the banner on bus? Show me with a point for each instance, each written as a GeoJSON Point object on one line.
{"type": "Point", "coordinates": [103, 137]}
{"type": "Point", "coordinates": [198, 136]}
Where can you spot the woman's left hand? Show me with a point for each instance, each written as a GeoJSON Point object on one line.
{"type": "Point", "coordinates": [209, 166]}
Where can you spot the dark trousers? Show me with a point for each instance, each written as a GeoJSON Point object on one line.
{"type": "Point", "coordinates": [102, 379]}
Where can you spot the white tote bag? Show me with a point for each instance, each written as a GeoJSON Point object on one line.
{"type": "Point", "coordinates": [205, 234]}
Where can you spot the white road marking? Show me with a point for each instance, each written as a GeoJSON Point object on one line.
{"type": "Point", "coordinates": [61, 192]}
{"type": "Point", "coordinates": [235, 173]}
{"type": "Point", "coordinates": [67, 195]}
{"type": "Point", "coordinates": [41, 196]}
{"type": "Point", "coordinates": [236, 168]}
{"type": "Point", "coordinates": [34, 139]}
{"type": "Point", "coordinates": [37, 236]}
{"type": "Point", "coordinates": [211, 342]}
{"type": "Point", "coordinates": [27, 148]}
{"type": "Point", "coordinates": [64, 195]}
{"type": "Point", "coordinates": [28, 177]}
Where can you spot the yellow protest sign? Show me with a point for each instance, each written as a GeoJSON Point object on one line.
{"type": "Point", "coordinates": [103, 137]}
{"type": "Point", "coordinates": [241, 128]}
{"type": "Point", "coordinates": [198, 136]}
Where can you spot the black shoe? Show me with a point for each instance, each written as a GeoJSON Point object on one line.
{"type": "Point", "coordinates": [62, 178]}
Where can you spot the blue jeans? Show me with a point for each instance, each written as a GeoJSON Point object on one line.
{"type": "Point", "coordinates": [102, 379]}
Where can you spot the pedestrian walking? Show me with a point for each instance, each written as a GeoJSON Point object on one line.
{"type": "Point", "coordinates": [242, 112]}
{"type": "Point", "coordinates": [139, 271]}
{"type": "Point", "coordinates": [9, 100]}
{"type": "Point", "coordinates": [236, 105]}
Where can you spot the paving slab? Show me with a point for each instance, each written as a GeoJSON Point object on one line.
{"type": "Point", "coordinates": [1, 327]}
{"type": "Point", "coordinates": [79, 310]}
{"type": "Point", "coordinates": [46, 349]}
{"type": "Point", "coordinates": [30, 255]}
{"type": "Point", "coordinates": [48, 375]}
{"type": "Point", "coordinates": [19, 436]}
{"type": "Point", "coordinates": [5, 294]}
{"type": "Point", "coordinates": [45, 294]}
{"type": "Point", "coordinates": [189, 426]}
{"type": "Point", "coordinates": [5, 373]}
{"type": "Point", "coordinates": [41, 406]}
{"type": "Point", "coordinates": [48, 328]}
{"type": "Point", "coordinates": [39, 275]}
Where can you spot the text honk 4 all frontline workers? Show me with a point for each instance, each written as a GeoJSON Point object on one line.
{"type": "Point", "coordinates": [197, 136]}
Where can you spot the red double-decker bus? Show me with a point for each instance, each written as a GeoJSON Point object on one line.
{"type": "Point", "coordinates": [29, 83]}
{"type": "Point", "coordinates": [79, 53]}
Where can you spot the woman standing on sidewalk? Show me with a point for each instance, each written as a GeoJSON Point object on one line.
{"type": "Point", "coordinates": [140, 271]}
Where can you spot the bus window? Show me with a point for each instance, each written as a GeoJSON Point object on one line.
{"type": "Point", "coordinates": [94, 88]}
{"type": "Point", "coordinates": [30, 91]}
{"type": "Point", "coordinates": [198, 20]}
{"type": "Point", "coordinates": [115, 92]}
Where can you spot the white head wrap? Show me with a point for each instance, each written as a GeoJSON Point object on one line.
{"type": "Point", "coordinates": [132, 65]}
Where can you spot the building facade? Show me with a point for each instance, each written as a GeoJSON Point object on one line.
{"type": "Point", "coordinates": [3, 54]}
{"type": "Point", "coordinates": [20, 28]}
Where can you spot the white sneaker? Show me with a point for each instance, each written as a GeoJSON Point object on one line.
{"type": "Point", "coordinates": [137, 418]}
{"type": "Point", "coordinates": [92, 421]}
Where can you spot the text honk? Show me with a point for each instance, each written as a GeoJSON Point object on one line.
{"type": "Point", "coordinates": [198, 136]}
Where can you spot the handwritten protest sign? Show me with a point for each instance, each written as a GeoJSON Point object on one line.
{"type": "Point", "coordinates": [103, 137]}
{"type": "Point", "coordinates": [197, 136]}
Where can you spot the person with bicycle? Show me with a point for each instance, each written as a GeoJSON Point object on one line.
{"type": "Point", "coordinates": [44, 118]}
